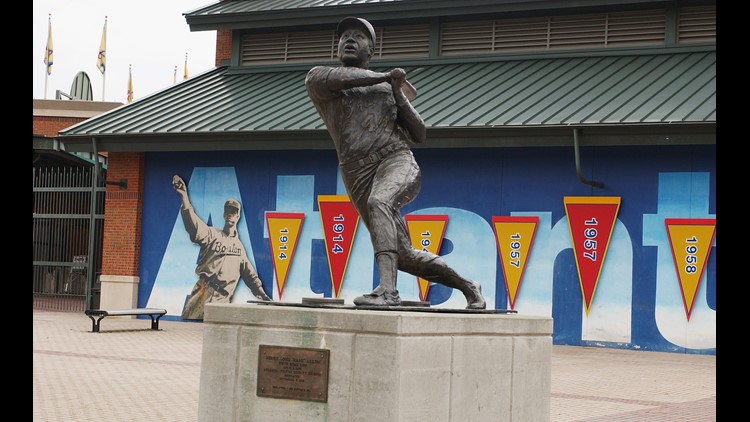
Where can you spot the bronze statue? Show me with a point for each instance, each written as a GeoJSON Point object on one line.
{"type": "Point", "coordinates": [370, 120]}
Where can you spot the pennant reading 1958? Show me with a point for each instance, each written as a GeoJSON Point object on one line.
{"type": "Point", "coordinates": [690, 240]}
{"type": "Point", "coordinates": [426, 233]}
{"type": "Point", "coordinates": [514, 236]}
{"type": "Point", "coordinates": [283, 233]}
{"type": "Point", "coordinates": [339, 220]}
{"type": "Point", "coordinates": [591, 220]}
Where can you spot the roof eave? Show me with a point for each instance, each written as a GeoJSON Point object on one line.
{"type": "Point", "coordinates": [376, 11]}
{"type": "Point", "coordinates": [656, 133]}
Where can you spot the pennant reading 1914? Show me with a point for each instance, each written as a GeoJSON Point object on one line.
{"type": "Point", "coordinates": [339, 221]}
{"type": "Point", "coordinates": [591, 220]}
{"type": "Point", "coordinates": [283, 233]}
{"type": "Point", "coordinates": [690, 240]}
{"type": "Point", "coordinates": [426, 233]}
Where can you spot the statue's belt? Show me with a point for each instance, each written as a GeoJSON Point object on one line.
{"type": "Point", "coordinates": [373, 157]}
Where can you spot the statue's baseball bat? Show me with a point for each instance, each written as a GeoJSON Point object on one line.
{"type": "Point", "coordinates": [409, 91]}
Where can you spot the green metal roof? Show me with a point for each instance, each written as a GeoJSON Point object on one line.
{"type": "Point", "coordinates": [245, 14]}
{"type": "Point", "coordinates": [227, 108]}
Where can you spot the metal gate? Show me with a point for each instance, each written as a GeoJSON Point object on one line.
{"type": "Point", "coordinates": [67, 237]}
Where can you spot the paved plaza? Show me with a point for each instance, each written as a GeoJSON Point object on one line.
{"type": "Point", "coordinates": [130, 373]}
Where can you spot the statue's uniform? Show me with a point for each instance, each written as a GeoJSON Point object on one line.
{"type": "Point", "coordinates": [375, 160]}
{"type": "Point", "coordinates": [377, 167]}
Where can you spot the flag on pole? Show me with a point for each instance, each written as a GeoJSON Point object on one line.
{"type": "Point", "coordinates": [185, 73]}
{"type": "Point", "coordinates": [130, 83]}
{"type": "Point", "coordinates": [48, 49]}
{"type": "Point", "coordinates": [101, 61]}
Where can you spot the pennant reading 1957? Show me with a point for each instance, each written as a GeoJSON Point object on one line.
{"type": "Point", "coordinates": [514, 236]}
{"type": "Point", "coordinates": [283, 233]}
{"type": "Point", "coordinates": [426, 233]}
{"type": "Point", "coordinates": [690, 240]}
{"type": "Point", "coordinates": [339, 220]}
{"type": "Point", "coordinates": [591, 220]}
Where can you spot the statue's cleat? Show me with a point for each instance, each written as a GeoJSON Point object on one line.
{"type": "Point", "coordinates": [384, 299]}
{"type": "Point", "coordinates": [474, 298]}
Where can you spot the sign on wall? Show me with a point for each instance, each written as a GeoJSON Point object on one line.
{"type": "Point", "coordinates": [591, 220]}
{"type": "Point", "coordinates": [690, 240]}
{"type": "Point", "coordinates": [426, 233]}
{"type": "Point", "coordinates": [283, 233]}
{"type": "Point", "coordinates": [639, 301]}
{"type": "Point", "coordinates": [514, 237]}
{"type": "Point", "coordinates": [339, 221]}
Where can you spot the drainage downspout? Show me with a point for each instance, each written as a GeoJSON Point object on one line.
{"type": "Point", "coordinates": [583, 180]}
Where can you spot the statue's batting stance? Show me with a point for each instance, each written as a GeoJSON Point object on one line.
{"type": "Point", "coordinates": [370, 120]}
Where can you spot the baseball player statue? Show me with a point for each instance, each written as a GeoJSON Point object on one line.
{"type": "Point", "coordinates": [222, 259]}
{"type": "Point", "coordinates": [371, 120]}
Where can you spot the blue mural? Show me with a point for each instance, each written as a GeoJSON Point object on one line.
{"type": "Point", "coordinates": [637, 304]}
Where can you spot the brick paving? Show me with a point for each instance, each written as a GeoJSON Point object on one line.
{"type": "Point", "coordinates": [128, 372]}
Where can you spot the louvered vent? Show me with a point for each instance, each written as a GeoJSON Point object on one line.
{"type": "Point", "coordinates": [521, 34]}
{"type": "Point", "coordinates": [466, 38]}
{"type": "Point", "coordinates": [636, 28]}
{"type": "Point", "coordinates": [696, 25]}
{"type": "Point", "coordinates": [310, 46]}
{"type": "Point", "coordinates": [570, 32]}
{"type": "Point", "coordinates": [575, 32]}
{"type": "Point", "coordinates": [263, 48]}
{"type": "Point", "coordinates": [401, 41]}
{"type": "Point", "coordinates": [288, 47]}
{"type": "Point", "coordinates": [296, 47]}
{"type": "Point", "coordinates": [558, 32]}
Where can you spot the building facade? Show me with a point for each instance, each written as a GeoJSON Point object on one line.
{"type": "Point", "coordinates": [570, 165]}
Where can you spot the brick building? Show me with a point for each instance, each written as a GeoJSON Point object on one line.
{"type": "Point", "coordinates": [527, 104]}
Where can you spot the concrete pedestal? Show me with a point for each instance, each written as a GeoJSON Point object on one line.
{"type": "Point", "coordinates": [383, 365]}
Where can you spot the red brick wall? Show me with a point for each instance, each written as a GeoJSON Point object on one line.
{"type": "Point", "coordinates": [223, 45]}
{"type": "Point", "coordinates": [49, 126]}
{"type": "Point", "coordinates": [122, 215]}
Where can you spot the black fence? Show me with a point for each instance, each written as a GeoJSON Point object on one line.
{"type": "Point", "coordinates": [67, 237]}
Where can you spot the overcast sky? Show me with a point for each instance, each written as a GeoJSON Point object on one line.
{"type": "Point", "coordinates": [150, 35]}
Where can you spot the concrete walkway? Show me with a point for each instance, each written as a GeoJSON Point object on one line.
{"type": "Point", "coordinates": [130, 373]}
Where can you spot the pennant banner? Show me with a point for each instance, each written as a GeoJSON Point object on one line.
{"type": "Point", "coordinates": [283, 233]}
{"type": "Point", "coordinates": [339, 220]}
{"type": "Point", "coordinates": [690, 240]}
{"type": "Point", "coordinates": [101, 60]}
{"type": "Point", "coordinates": [514, 236]}
{"type": "Point", "coordinates": [591, 220]}
{"type": "Point", "coordinates": [130, 85]}
{"type": "Point", "coordinates": [48, 52]}
{"type": "Point", "coordinates": [426, 233]}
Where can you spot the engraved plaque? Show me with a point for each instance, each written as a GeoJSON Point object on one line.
{"type": "Point", "coordinates": [293, 373]}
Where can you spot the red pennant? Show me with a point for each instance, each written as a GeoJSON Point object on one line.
{"type": "Point", "coordinates": [591, 220]}
{"type": "Point", "coordinates": [339, 220]}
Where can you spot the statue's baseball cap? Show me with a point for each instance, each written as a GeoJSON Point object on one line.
{"type": "Point", "coordinates": [360, 23]}
{"type": "Point", "coordinates": [231, 202]}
